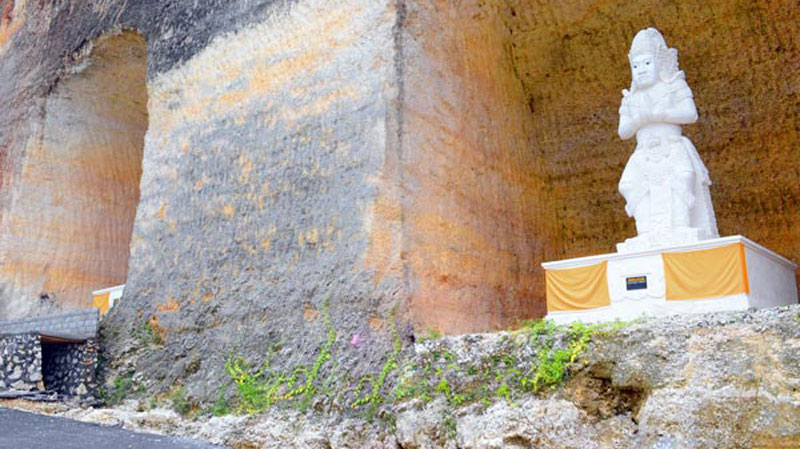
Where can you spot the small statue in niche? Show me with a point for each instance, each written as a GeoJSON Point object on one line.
{"type": "Point", "coordinates": [665, 184]}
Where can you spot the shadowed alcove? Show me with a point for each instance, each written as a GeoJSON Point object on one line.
{"type": "Point", "coordinates": [514, 158]}
{"type": "Point", "coordinates": [75, 205]}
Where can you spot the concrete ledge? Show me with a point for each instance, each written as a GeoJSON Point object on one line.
{"type": "Point", "coordinates": [78, 325]}
{"type": "Point", "coordinates": [703, 244]}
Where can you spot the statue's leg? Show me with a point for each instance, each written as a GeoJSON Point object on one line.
{"type": "Point", "coordinates": [642, 215]}
{"type": "Point", "coordinates": [683, 199]}
{"type": "Point", "coordinates": [680, 213]}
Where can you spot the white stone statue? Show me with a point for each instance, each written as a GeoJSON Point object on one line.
{"type": "Point", "coordinates": [665, 184]}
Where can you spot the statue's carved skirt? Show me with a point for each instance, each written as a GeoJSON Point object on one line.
{"type": "Point", "coordinates": [666, 187]}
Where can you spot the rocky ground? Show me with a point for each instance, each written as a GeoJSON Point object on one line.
{"type": "Point", "coordinates": [724, 380]}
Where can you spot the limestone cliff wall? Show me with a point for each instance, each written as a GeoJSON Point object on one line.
{"type": "Point", "coordinates": [267, 124]}
{"type": "Point", "coordinates": [510, 156]}
{"type": "Point", "coordinates": [363, 161]}
{"type": "Point", "coordinates": [71, 136]}
{"type": "Point", "coordinates": [262, 162]}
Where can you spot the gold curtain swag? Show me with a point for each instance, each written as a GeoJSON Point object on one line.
{"type": "Point", "coordinates": [707, 273]}
{"type": "Point", "coordinates": [579, 288]}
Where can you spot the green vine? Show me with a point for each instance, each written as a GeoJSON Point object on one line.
{"type": "Point", "coordinates": [534, 359]}
{"type": "Point", "coordinates": [505, 374]}
{"type": "Point", "coordinates": [324, 355]}
{"type": "Point", "coordinates": [260, 389]}
{"type": "Point", "coordinates": [375, 397]}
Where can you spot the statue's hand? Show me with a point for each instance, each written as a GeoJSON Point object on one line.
{"type": "Point", "coordinates": [629, 110]}
{"type": "Point", "coordinates": [629, 118]}
{"type": "Point", "coordinates": [659, 111]}
{"type": "Point", "coordinates": [639, 116]}
{"type": "Point", "coordinates": [657, 114]}
{"type": "Point", "coordinates": [625, 104]}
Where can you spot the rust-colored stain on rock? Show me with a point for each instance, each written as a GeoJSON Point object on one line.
{"type": "Point", "coordinates": [310, 315]}
{"type": "Point", "coordinates": [170, 305]}
{"type": "Point", "coordinates": [10, 19]}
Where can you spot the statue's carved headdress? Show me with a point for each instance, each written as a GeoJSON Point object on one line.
{"type": "Point", "coordinates": [650, 41]}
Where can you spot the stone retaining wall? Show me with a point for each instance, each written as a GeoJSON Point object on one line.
{"type": "Point", "coordinates": [30, 361]}
{"type": "Point", "coordinates": [69, 368]}
{"type": "Point", "coordinates": [20, 362]}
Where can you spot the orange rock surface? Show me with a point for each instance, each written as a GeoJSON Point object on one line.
{"type": "Point", "coordinates": [474, 192]}
{"type": "Point", "coordinates": [70, 222]}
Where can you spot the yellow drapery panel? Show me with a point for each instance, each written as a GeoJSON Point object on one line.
{"type": "Point", "coordinates": [706, 273]}
{"type": "Point", "coordinates": [102, 302]}
{"type": "Point", "coordinates": [577, 288]}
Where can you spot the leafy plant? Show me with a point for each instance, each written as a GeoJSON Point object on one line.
{"type": "Point", "coordinates": [180, 404]}
{"type": "Point", "coordinates": [255, 390]}
{"type": "Point", "coordinates": [504, 392]}
{"type": "Point", "coordinates": [552, 364]}
{"type": "Point", "coordinates": [221, 406]}
{"type": "Point", "coordinates": [122, 388]}
{"type": "Point", "coordinates": [148, 334]}
{"type": "Point", "coordinates": [375, 396]}
{"type": "Point", "coordinates": [443, 387]}
{"type": "Point", "coordinates": [430, 334]}
{"type": "Point", "coordinates": [260, 388]}
{"type": "Point", "coordinates": [533, 359]}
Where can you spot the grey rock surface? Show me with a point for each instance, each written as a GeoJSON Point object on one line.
{"type": "Point", "coordinates": [725, 380]}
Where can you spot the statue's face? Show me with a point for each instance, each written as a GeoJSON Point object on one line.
{"type": "Point", "coordinates": [643, 70]}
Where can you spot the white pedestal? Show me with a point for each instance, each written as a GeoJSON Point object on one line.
{"type": "Point", "coordinates": [771, 280]}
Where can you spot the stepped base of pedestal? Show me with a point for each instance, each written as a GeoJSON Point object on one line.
{"type": "Point", "coordinates": [723, 274]}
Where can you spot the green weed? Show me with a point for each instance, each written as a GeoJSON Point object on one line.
{"type": "Point", "coordinates": [122, 388]}
{"type": "Point", "coordinates": [430, 334]}
{"type": "Point", "coordinates": [180, 404]}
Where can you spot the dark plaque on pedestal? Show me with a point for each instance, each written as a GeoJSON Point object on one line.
{"type": "Point", "coordinates": [636, 283]}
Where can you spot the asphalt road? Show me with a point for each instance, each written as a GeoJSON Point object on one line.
{"type": "Point", "coordinates": [21, 430]}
